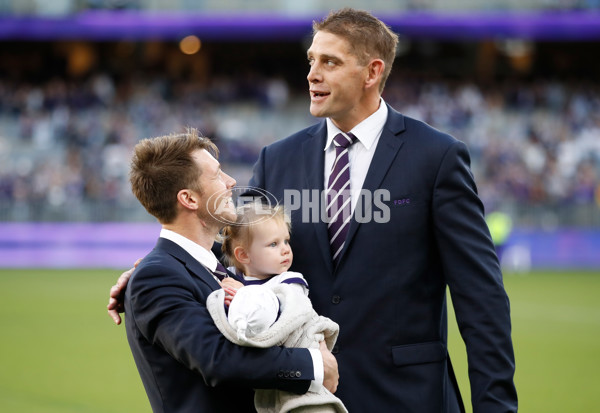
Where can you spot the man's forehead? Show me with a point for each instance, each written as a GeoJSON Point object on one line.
{"type": "Point", "coordinates": [328, 44]}
{"type": "Point", "coordinates": [206, 158]}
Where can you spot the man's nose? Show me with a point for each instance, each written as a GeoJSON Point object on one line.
{"type": "Point", "coordinates": [313, 74]}
{"type": "Point", "coordinates": [230, 181]}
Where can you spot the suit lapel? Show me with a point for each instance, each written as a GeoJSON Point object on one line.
{"type": "Point", "coordinates": [188, 261]}
{"type": "Point", "coordinates": [313, 150]}
{"type": "Point", "coordinates": [387, 148]}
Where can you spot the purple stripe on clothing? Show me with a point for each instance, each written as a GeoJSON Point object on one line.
{"type": "Point", "coordinates": [256, 282]}
{"type": "Point", "coordinates": [295, 280]}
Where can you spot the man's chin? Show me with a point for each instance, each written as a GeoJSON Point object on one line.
{"type": "Point", "coordinates": [317, 111]}
{"type": "Point", "coordinates": [228, 217]}
{"type": "Point", "coordinates": [225, 217]}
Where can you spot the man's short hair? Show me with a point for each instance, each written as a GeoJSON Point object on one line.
{"type": "Point", "coordinates": [368, 36]}
{"type": "Point", "coordinates": [162, 166]}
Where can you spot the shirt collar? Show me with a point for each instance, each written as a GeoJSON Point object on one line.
{"type": "Point", "coordinates": [202, 255]}
{"type": "Point", "coordinates": [366, 131]}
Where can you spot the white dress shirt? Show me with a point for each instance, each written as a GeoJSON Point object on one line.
{"type": "Point", "coordinates": [201, 254]}
{"type": "Point", "coordinates": [208, 259]}
{"type": "Point", "coordinates": [360, 153]}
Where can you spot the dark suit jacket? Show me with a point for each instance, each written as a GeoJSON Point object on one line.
{"type": "Point", "coordinates": [388, 291]}
{"type": "Point", "coordinates": [185, 363]}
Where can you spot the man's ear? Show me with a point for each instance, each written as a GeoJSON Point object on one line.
{"type": "Point", "coordinates": [241, 255]}
{"type": "Point", "coordinates": [375, 72]}
{"type": "Point", "coordinates": [188, 199]}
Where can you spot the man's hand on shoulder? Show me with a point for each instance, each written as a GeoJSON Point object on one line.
{"type": "Point", "coordinates": [117, 294]}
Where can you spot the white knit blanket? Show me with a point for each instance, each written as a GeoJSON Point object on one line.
{"type": "Point", "coordinates": [297, 326]}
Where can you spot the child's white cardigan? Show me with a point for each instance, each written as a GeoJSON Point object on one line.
{"type": "Point", "coordinates": [298, 325]}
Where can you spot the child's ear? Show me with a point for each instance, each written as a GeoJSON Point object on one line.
{"type": "Point", "coordinates": [241, 255]}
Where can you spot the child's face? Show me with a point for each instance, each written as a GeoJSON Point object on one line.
{"type": "Point", "coordinates": [270, 252]}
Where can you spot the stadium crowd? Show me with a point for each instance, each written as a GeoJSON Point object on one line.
{"type": "Point", "coordinates": [65, 145]}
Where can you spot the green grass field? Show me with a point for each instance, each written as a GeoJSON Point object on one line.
{"type": "Point", "coordinates": [60, 352]}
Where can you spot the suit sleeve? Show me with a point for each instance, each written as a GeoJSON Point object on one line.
{"type": "Point", "coordinates": [474, 278]}
{"type": "Point", "coordinates": [168, 312]}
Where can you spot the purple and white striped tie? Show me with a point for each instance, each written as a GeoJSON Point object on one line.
{"type": "Point", "coordinates": [339, 209]}
{"type": "Point", "coordinates": [220, 272]}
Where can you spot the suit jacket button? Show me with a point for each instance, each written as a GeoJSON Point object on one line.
{"type": "Point", "coordinates": [336, 299]}
{"type": "Point", "coordinates": [335, 350]}
{"type": "Point", "coordinates": [280, 374]}
{"type": "Point", "coordinates": [286, 374]}
{"type": "Point", "coordinates": [298, 374]}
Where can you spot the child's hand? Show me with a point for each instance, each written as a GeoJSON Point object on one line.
{"type": "Point", "coordinates": [229, 294]}
{"type": "Point", "coordinates": [231, 282]}
{"type": "Point", "coordinates": [230, 286]}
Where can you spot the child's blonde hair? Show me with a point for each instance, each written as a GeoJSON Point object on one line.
{"type": "Point", "coordinates": [240, 233]}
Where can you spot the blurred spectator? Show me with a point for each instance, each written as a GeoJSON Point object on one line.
{"type": "Point", "coordinates": [65, 144]}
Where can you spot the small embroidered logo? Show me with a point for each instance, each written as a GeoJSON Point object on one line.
{"type": "Point", "coordinates": [402, 202]}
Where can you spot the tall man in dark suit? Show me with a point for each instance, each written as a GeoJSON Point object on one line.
{"type": "Point", "coordinates": [186, 365]}
{"type": "Point", "coordinates": [417, 227]}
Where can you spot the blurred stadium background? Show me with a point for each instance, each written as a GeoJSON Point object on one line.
{"type": "Point", "coordinates": [81, 81]}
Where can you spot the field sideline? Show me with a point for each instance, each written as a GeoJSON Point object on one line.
{"type": "Point", "coordinates": [60, 352]}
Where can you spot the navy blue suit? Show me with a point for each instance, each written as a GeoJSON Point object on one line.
{"type": "Point", "coordinates": [388, 291]}
{"type": "Point", "coordinates": [185, 363]}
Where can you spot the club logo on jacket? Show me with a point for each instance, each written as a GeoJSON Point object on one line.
{"type": "Point", "coordinates": [402, 202]}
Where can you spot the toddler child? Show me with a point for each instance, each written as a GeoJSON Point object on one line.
{"type": "Point", "coordinates": [272, 306]}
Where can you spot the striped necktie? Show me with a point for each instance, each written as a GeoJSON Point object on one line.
{"type": "Point", "coordinates": [339, 208]}
{"type": "Point", "coordinates": [220, 272]}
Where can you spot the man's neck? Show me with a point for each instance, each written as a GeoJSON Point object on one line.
{"type": "Point", "coordinates": [194, 231]}
{"type": "Point", "coordinates": [346, 125]}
